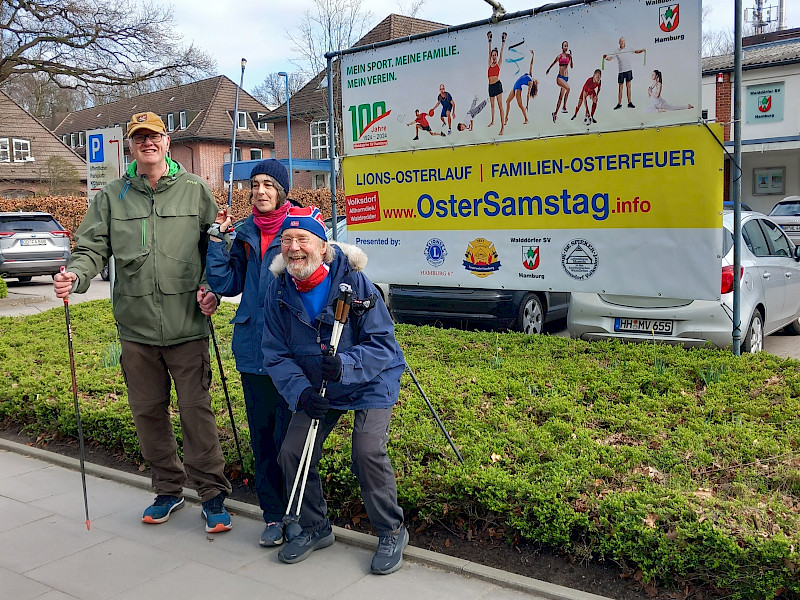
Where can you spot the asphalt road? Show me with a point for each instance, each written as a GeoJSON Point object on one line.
{"type": "Point", "coordinates": [37, 296]}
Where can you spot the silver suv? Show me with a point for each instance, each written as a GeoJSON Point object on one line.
{"type": "Point", "coordinates": [31, 244]}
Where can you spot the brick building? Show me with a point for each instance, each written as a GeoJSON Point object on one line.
{"type": "Point", "coordinates": [199, 119]}
{"type": "Point", "coordinates": [770, 117]}
{"type": "Point", "coordinates": [33, 161]}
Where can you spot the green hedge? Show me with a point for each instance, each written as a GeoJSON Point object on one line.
{"type": "Point", "coordinates": [682, 464]}
{"type": "Point", "coordinates": [3, 288]}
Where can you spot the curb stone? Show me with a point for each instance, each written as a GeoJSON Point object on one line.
{"type": "Point", "coordinates": [21, 300]}
{"type": "Point", "coordinates": [354, 538]}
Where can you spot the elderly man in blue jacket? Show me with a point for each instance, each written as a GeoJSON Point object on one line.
{"type": "Point", "coordinates": [363, 376]}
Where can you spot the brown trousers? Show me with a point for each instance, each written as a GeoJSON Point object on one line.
{"type": "Point", "coordinates": [147, 370]}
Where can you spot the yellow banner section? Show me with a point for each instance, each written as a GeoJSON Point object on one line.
{"type": "Point", "coordinates": [663, 178]}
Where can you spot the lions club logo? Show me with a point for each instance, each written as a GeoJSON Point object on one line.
{"type": "Point", "coordinates": [435, 252]}
{"type": "Point", "coordinates": [481, 258]}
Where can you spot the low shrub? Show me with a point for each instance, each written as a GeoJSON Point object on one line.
{"type": "Point", "coordinates": [681, 465]}
{"type": "Point", "coordinates": [3, 288]}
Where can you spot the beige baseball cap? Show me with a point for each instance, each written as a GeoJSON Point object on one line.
{"type": "Point", "coordinates": [146, 120]}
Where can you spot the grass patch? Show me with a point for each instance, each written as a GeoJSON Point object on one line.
{"type": "Point", "coordinates": [688, 472]}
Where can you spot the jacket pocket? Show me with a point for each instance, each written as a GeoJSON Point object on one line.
{"type": "Point", "coordinates": [129, 244]}
{"type": "Point", "coordinates": [179, 232]}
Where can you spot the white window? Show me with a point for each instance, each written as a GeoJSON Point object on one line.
{"type": "Point", "coordinates": [71, 140]}
{"type": "Point", "coordinates": [241, 120]}
{"type": "Point", "coordinates": [320, 181]}
{"type": "Point", "coordinates": [238, 155]}
{"type": "Point", "coordinates": [255, 153]}
{"type": "Point", "coordinates": [5, 155]}
{"type": "Point", "coordinates": [127, 161]}
{"type": "Point", "coordinates": [65, 139]}
{"type": "Point", "coordinates": [170, 122]}
{"type": "Point", "coordinates": [22, 150]}
{"type": "Point", "coordinates": [262, 125]}
{"type": "Point", "coordinates": [319, 140]}
{"type": "Point", "coordinates": [182, 119]}
{"type": "Point", "coordinates": [81, 138]}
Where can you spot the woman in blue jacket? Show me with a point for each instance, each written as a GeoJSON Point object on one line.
{"type": "Point", "coordinates": [245, 270]}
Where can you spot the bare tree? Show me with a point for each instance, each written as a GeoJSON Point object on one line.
{"type": "Point", "coordinates": [41, 97]}
{"type": "Point", "coordinates": [272, 91]}
{"type": "Point", "coordinates": [410, 8]}
{"type": "Point", "coordinates": [61, 177]}
{"type": "Point", "coordinates": [331, 25]}
{"type": "Point", "coordinates": [94, 42]}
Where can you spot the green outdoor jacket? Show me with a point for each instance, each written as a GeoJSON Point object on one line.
{"type": "Point", "coordinates": [158, 239]}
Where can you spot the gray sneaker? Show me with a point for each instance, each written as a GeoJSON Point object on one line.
{"type": "Point", "coordinates": [389, 556]}
{"type": "Point", "coordinates": [273, 534]}
{"type": "Point", "coordinates": [304, 544]}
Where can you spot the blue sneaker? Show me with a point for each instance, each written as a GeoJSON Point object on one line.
{"type": "Point", "coordinates": [161, 508]}
{"type": "Point", "coordinates": [389, 556]}
{"type": "Point", "coordinates": [217, 518]}
{"type": "Point", "coordinates": [304, 544]}
{"type": "Point", "coordinates": [273, 534]}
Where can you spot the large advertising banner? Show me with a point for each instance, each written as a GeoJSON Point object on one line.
{"type": "Point", "coordinates": [629, 212]}
{"type": "Point", "coordinates": [606, 66]}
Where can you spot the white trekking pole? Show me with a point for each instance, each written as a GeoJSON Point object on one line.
{"type": "Point", "coordinates": [292, 519]}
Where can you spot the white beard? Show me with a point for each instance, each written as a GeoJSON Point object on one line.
{"type": "Point", "coordinates": [301, 273]}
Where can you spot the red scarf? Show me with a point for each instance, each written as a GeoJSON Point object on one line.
{"type": "Point", "coordinates": [271, 222]}
{"type": "Point", "coordinates": [317, 277]}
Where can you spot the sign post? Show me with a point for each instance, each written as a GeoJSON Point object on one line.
{"type": "Point", "coordinates": [104, 164]}
{"type": "Point", "coordinates": [104, 158]}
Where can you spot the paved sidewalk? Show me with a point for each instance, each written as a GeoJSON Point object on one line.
{"type": "Point", "coordinates": [49, 555]}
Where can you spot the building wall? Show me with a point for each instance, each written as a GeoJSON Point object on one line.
{"type": "Point", "coordinates": [301, 148]}
{"type": "Point", "coordinates": [764, 145]}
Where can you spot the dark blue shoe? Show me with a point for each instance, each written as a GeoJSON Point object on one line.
{"type": "Point", "coordinates": [304, 544]}
{"type": "Point", "coordinates": [217, 518]}
{"type": "Point", "coordinates": [161, 508]}
{"type": "Point", "coordinates": [389, 556]}
{"type": "Point", "coordinates": [273, 534]}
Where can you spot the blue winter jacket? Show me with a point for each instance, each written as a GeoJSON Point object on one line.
{"type": "Point", "coordinates": [293, 344]}
{"type": "Point", "coordinates": [242, 271]}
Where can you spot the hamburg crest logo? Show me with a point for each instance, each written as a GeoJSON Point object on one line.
{"type": "Point", "coordinates": [668, 18]}
{"type": "Point", "coordinates": [530, 257]}
{"type": "Point", "coordinates": [481, 258]}
{"type": "Point", "coordinates": [764, 104]}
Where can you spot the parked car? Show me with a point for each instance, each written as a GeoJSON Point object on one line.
{"type": "Point", "coordinates": [728, 204]}
{"type": "Point", "coordinates": [520, 310]}
{"type": "Point", "coordinates": [786, 213]}
{"type": "Point", "coordinates": [31, 244]}
{"type": "Point", "coordinates": [770, 298]}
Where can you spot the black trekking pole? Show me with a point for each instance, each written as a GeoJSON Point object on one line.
{"type": "Point", "coordinates": [292, 519]}
{"type": "Point", "coordinates": [224, 385]}
{"type": "Point", "coordinates": [435, 416]}
{"type": "Point", "coordinates": [77, 408]}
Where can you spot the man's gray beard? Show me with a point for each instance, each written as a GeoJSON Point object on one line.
{"type": "Point", "coordinates": [304, 272]}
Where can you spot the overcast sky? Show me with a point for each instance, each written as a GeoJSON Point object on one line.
{"type": "Point", "coordinates": [256, 29]}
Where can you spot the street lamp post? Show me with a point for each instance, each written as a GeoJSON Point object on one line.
{"type": "Point", "coordinates": [285, 75]}
{"type": "Point", "coordinates": [233, 138]}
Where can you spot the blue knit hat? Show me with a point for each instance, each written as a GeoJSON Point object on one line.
{"type": "Point", "coordinates": [274, 169]}
{"type": "Point", "coordinates": [306, 217]}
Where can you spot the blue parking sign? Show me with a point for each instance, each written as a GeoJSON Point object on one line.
{"type": "Point", "coordinates": [96, 148]}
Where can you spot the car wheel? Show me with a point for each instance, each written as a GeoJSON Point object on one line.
{"type": "Point", "coordinates": [794, 327]}
{"type": "Point", "coordinates": [104, 273]}
{"type": "Point", "coordinates": [753, 340]}
{"type": "Point", "coordinates": [530, 317]}
{"type": "Point", "coordinates": [25, 279]}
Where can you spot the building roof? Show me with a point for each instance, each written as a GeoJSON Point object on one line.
{"type": "Point", "coordinates": [311, 100]}
{"type": "Point", "coordinates": [208, 104]}
{"type": "Point", "coordinates": [16, 122]}
{"type": "Point", "coordinates": [769, 50]}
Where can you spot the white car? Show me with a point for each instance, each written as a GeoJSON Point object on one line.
{"type": "Point", "coordinates": [770, 298]}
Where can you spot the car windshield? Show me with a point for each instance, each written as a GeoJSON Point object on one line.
{"type": "Point", "coordinates": [786, 209]}
{"type": "Point", "coordinates": [35, 224]}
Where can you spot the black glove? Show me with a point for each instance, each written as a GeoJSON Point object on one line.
{"type": "Point", "coordinates": [314, 405]}
{"type": "Point", "coordinates": [331, 368]}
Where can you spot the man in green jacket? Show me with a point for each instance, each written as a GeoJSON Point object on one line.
{"type": "Point", "coordinates": [154, 221]}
